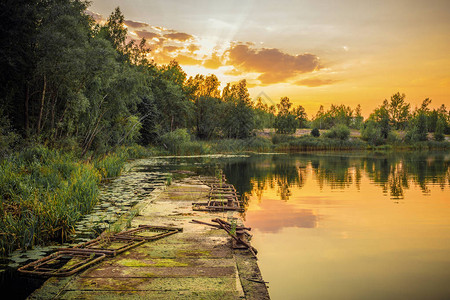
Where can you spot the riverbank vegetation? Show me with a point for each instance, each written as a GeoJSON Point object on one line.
{"type": "Point", "coordinates": [45, 191]}
{"type": "Point", "coordinates": [77, 97]}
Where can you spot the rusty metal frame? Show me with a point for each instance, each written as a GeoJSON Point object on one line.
{"type": "Point", "coordinates": [42, 267]}
{"type": "Point", "coordinates": [133, 234]}
{"type": "Point", "coordinates": [98, 245]}
{"type": "Point", "coordinates": [94, 250]}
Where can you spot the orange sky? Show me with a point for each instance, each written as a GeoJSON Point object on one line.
{"type": "Point", "coordinates": [315, 52]}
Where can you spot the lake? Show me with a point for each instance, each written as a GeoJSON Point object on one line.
{"type": "Point", "coordinates": [346, 226]}
{"type": "Point", "coordinates": [335, 225]}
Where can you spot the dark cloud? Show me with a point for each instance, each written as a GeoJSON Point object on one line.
{"type": "Point", "coordinates": [274, 65]}
{"type": "Point", "coordinates": [315, 82]}
{"type": "Point", "coordinates": [135, 24]}
{"type": "Point", "coordinates": [148, 35]}
{"type": "Point", "coordinates": [178, 36]}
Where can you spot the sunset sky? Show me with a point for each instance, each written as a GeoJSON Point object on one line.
{"type": "Point", "coordinates": [315, 52]}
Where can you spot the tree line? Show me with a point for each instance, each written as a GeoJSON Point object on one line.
{"type": "Point", "coordinates": [70, 82]}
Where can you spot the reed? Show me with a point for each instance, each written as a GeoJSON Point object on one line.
{"type": "Point", "coordinates": [44, 192]}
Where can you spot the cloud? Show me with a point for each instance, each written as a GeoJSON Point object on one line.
{"type": "Point", "coordinates": [274, 65]}
{"type": "Point", "coordinates": [97, 17]}
{"type": "Point", "coordinates": [233, 72]}
{"type": "Point", "coordinates": [187, 60]}
{"type": "Point", "coordinates": [193, 47]}
{"type": "Point", "coordinates": [172, 48]}
{"type": "Point", "coordinates": [148, 35]}
{"type": "Point", "coordinates": [178, 36]}
{"type": "Point", "coordinates": [214, 62]}
{"type": "Point", "coordinates": [135, 24]}
{"type": "Point", "coordinates": [315, 82]}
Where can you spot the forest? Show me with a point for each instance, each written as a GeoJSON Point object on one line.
{"type": "Point", "coordinates": [70, 83]}
{"type": "Point", "coordinates": [78, 99]}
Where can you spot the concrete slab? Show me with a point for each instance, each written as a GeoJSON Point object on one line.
{"type": "Point", "coordinates": [197, 263]}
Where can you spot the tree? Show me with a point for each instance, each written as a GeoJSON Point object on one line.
{"type": "Point", "coordinates": [264, 115]}
{"type": "Point", "coordinates": [371, 132]}
{"type": "Point", "coordinates": [418, 130]}
{"type": "Point", "coordinates": [238, 114]}
{"type": "Point", "coordinates": [301, 116]}
{"type": "Point", "coordinates": [358, 119]}
{"type": "Point", "coordinates": [381, 117]}
{"type": "Point", "coordinates": [439, 132]}
{"type": "Point", "coordinates": [339, 131]}
{"type": "Point", "coordinates": [286, 121]}
{"type": "Point", "coordinates": [204, 92]}
{"type": "Point", "coordinates": [399, 111]}
{"type": "Point", "coordinates": [337, 114]}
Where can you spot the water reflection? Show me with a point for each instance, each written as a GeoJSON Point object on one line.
{"type": "Point", "coordinates": [393, 173]}
{"type": "Point", "coordinates": [362, 225]}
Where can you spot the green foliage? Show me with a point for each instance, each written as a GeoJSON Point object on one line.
{"type": "Point", "coordinates": [309, 143]}
{"type": "Point", "coordinates": [381, 117]}
{"type": "Point", "coordinates": [179, 142]}
{"type": "Point", "coordinates": [282, 138]}
{"type": "Point", "coordinates": [440, 127]}
{"type": "Point", "coordinates": [398, 111]}
{"type": "Point", "coordinates": [264, 115]}
{"type": "Point", "coordinates": [315, 132]}
{"type": "Point", "coordinates": [110, 165]}
{"type": "Point", "coordinates": [286, 121]}
{"type": "Point", "coordinates": [44, 192]}
{"type": "Point", "coordinates": [8, 138]}
{"type": "Point", "coordinates": [285, 124]}
{"type": "Point", "coordinates": [258, 143]}
{"type": "Point", "coordinates": [371, 133]}
{"type": "Point", "coordinates": [337, 114]}
{"type": "Point", "coordinates": [238, 118]}
{"type": "Point", "coordinates": [227, 146]}
{"type": "Point", "coordinates": [340, 132]}
{"type": "Point", "coordinates": [417, 130]}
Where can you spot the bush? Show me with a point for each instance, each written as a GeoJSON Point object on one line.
{"type": "Point", "coordinates": [315, 132]}
{"type": "Point", "coordinates": [228, 146]}
{"type": "Point", "coordinates": [285, 123]}
{"type": "Point", "coordinates": [110, 165]}
{"type": "Point", "coordinates": [258, 143]}
{"type": "Point", "coordinates": [44, 192]}
{"type": "Point", "coordinates": [175, 141]}
{"type": "Point", "coordinates": [282, 138]}
{"type": "Point", "coordinates": [309, 143]}
{"type": "Point", "coordinates": [339, 131]}
{"type": "Point", "coordinates": [372, 134]}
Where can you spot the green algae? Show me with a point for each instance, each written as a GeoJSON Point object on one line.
{"type": "Point", "coordinates": [166, 262]}
{"type": "Point", "coordinates": [193, 253]}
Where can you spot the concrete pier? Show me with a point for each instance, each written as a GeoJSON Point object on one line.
{"type": "Point", "coordinates": [198, 263]}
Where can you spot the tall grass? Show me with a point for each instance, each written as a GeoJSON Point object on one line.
{"type": "Point", "coordinates": [310, 143]}
{"type": "Point", "coordinates": [44, 192]}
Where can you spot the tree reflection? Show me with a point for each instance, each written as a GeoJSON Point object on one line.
{"type": "Point", "coordinates": [393, 173]}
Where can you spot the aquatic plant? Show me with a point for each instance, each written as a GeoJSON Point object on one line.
{"type": "Point", "coordinates": [45, 192]}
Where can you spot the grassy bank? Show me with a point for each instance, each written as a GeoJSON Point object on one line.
{"type": "Point", "coordinates": [44, 192]}
{"type": "Point", "coordinates": [180, 143]}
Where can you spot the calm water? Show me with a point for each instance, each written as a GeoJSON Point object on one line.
{"type": "Point", "coordinates": [356, 226]}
